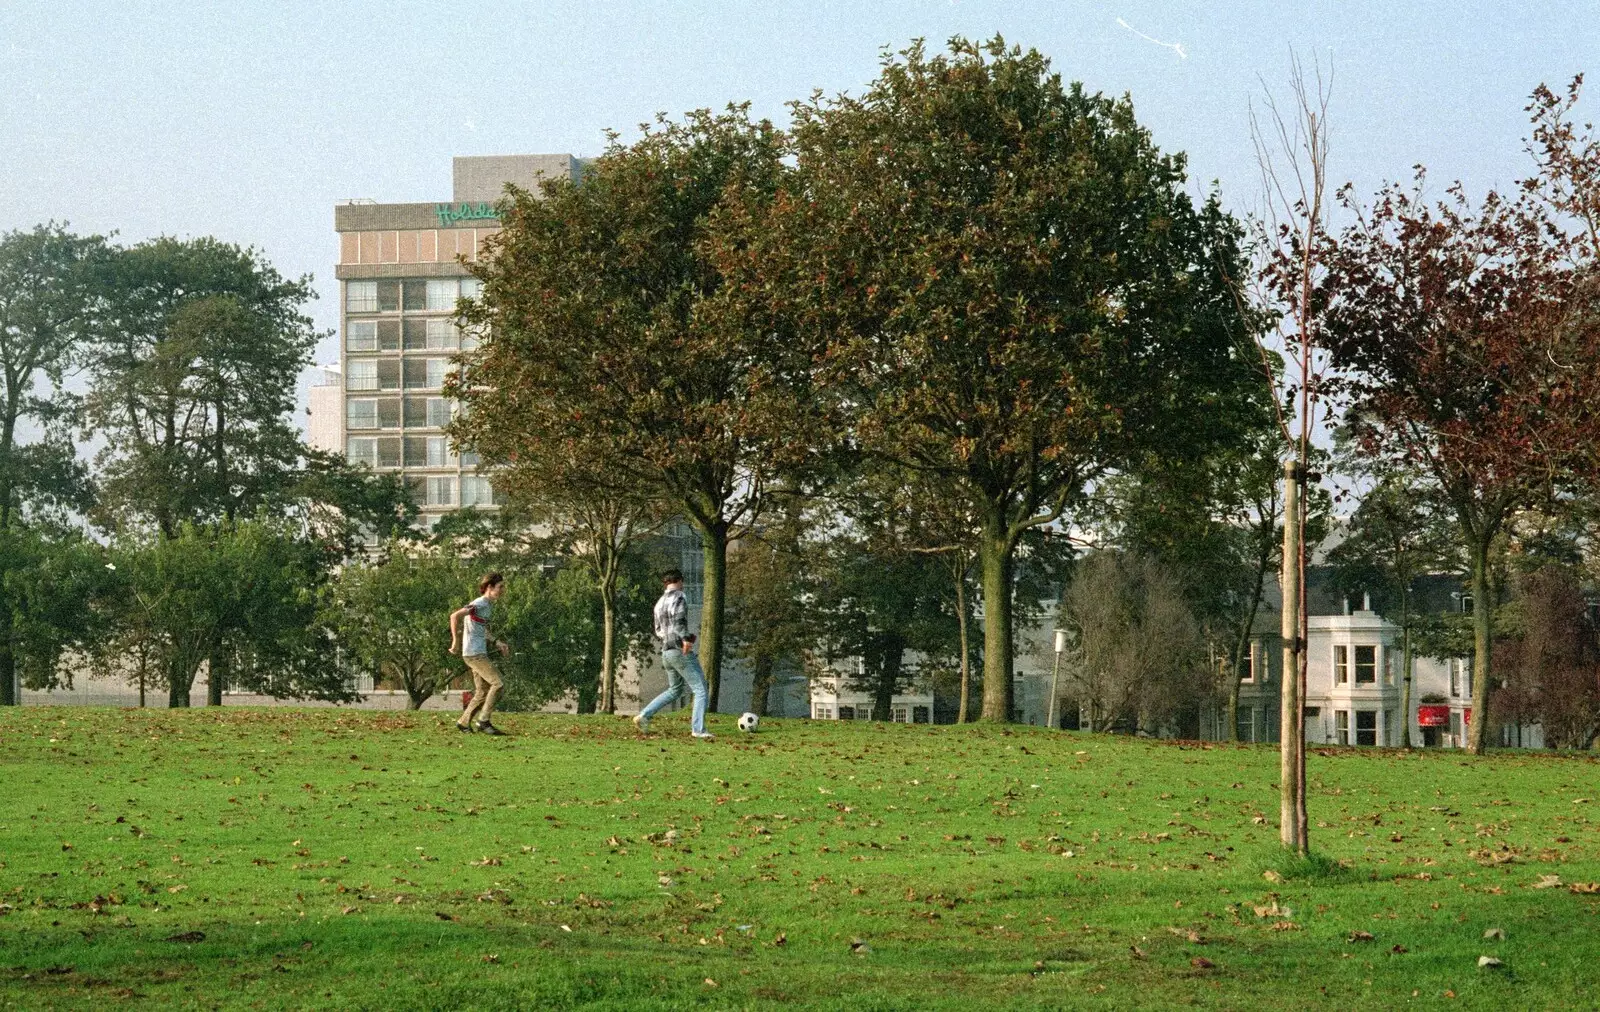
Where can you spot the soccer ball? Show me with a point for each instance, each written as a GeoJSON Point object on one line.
{"type": "Point", "coordinates": [748, 721]}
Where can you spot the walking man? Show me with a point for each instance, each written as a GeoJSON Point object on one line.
{"type": "Point", "coordinates": [677, 656]}
{"type": "Point", "coordinates": [475, 652]}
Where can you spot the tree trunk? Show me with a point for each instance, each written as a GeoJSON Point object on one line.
{"type": "Point", "coordinates": [714, 547]}
{"type": "Point", "coordinates": [608, 634]}
{"type": "Point", "coordinates": [761, 683]}
{"type": "Point", "coordinates": [178, 690]}
{"type": "Point", "coordinates": [1478, 737]}
{"type": "Point", "coordinates": [995, 559]}
{"type": "Point", "coordinates": [1405, 674]}
{"type": "Point", "coordinates": [964, 714]}
{"type": "Point", "coordinates": [415, 699]}
{"type": "Point", "coordinates": [216, 674]}
{"type": "Point", "coordinates": [891, 654]}
{"type": "Point", "coordinates": [8, 659]}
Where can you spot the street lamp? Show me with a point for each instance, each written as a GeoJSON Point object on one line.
{"type": "Point", "coordinates": [1055, 675]}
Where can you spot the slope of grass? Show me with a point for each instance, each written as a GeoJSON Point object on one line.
{"type": "Point", "coordinates": [285, 859]}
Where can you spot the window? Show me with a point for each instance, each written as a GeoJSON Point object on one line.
{"type": "Point", "coordinates": [362, 335]}
{"type": "Point", "coordinates": [863, 713]}
{"type": "Point", "coordinates": [388, 296]}
{"type": "Point", "coordinates": [900, 714]}
{"type": "Point", "coordinates": [361, 296]}
{"type": "Point", "coordinates": [428, 451]}
{"type": "Point", "coordinates": [442, 294]}
{"type": "Point", "coordinates": [1366, 727]}
{"type": "Point", "coordinates": [439, 492]}
{"type": "Point", "coordinates": [1455, 728]}
{"type": "Point", "coordinates": [847, 713]}
{"type": "Point", "coordinates": [1366, 665]}
{"type": "Point", "coordinates": [415, 295]}
{"type": "Point", "coordinates": [471, 288]}
{"type": "Point", "coordinates": [439, 334]}
{"type": "Point", "coordinates": [437, 369]}
{"type": "Point", "coordinates": [416, 333]}
{"type": "Point", "coordinates": [417, 374]}
{"type": "Point", "coordinates": [389, 451]}
{"type": "Point", "coordinates": [438, 412]}
{"type": "Point", "coordinates": [361, 374]}
{"type": "Point", "coordinates": [361, 413]}
{"type": "Point", "coordinates": [470, 458]}
{"type": "Point", "coordinates": [1341, 727]}
{"type": "Point", "coordinates": [476, 491]}
{"type": "Point", "coordinates": [821, 711]}
{"type": "Point", "coordinates": [1247, 664]}
{"type": "Point", "coordinates": [921, 715]}
{"type": "Point", "coordinates": [362, 450]}
{"type": "Point", "coordinates": [1341, 664]}
{"type": "Point", "coordinates": [388, 335]}
{"type": "Point", "coordinates": [388, 411]}
{"type": "Point", "coordinates": [1460, 676]}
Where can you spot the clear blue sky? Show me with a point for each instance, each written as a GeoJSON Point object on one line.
{"type": "Point", "coordinates": [249, 121]}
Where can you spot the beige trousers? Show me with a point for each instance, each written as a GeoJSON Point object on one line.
{"type": "Point", "coordinates": [485, 689]}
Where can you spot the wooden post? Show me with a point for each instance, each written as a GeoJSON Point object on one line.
{"type": "Point", "coordinates": [1291, 735]}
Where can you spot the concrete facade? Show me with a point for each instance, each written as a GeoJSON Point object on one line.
{"type": "Point", "coordinates": [402, 270]}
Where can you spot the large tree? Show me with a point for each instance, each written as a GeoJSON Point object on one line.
{"type": "Point", "coordinates": [47, 307]}
{"type": "Point", "coordinates": [1465, 339]}
{"type": "Point", "coordinates": [606, 341]}
{"type": "Point", "coordinates": [192, 382]}
{"type": "Point", "coordinates": [1003, 283]}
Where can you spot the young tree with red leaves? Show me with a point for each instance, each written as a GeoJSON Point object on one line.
{"type": "Point", "coordinates": [1466, 337]}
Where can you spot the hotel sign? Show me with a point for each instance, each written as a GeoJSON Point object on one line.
{"type": "Point", "coordinates": [449, 214]}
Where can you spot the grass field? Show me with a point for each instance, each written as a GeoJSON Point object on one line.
{"type": "Point", "coordinates": [290, 859]}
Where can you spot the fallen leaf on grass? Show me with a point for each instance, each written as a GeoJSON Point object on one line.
{"type": "Point", "coordinates": [188, 936]}
{"type": "Point", "coordinates": [1202, 963]}
{"type": "Point", "coordinates": [1547, 882]}
{"type": "Point", "coordinates": [1361, 936]}
{"type": "Point", "coordinates": [1138, 953]}
{"type": "Point", "coordinates": [782, 939]}
{"type": "Point", "coordinates": [1399, 950]}
{"type": "Point", "coordinates": [1589, 888]}
{"type": "Point", "coordinates": [710, 982]}
{"type": "Point", "coordinates": [566, 928]}
{"type": "Point", "coordinates": [1499, 934]}
{"type": "Point", "coordinates": [1271, 876]}
{"type": "Point", "coordinates": [859, 947]}
{"type": "Point", "coordinates": [1489, 963]}
{"type": "Point", "coordinates": [1283, 926]}
{"type": "Point", "coordinates": [443, 916]}
{"type": "Point", "coordinates": [350, 910]}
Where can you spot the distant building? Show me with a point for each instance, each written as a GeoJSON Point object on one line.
{"type": "Point", "coordinates": [401, 271]}
{"type": "Point", "coordinates": [325, 410]}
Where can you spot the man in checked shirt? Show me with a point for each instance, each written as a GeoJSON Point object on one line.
{"type": "Point", "coordinates": [677, 656]}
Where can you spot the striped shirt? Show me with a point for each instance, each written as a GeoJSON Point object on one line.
{"type": "Point", "coordinates": [672, 619]}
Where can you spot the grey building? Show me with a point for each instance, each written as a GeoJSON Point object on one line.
{"type": "Point", "coordinates": [401, 270]}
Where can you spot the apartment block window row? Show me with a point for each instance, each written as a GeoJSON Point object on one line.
{"type": "Point", "coordinates": [412, 246]}
{"type": "Point", "coordinates": [423, 295]}
{"type": "Point", "coordinates": [393, 451]}
{"type": "Point", "coordinates": [389, 412]}
{"type": "Point", "coordinates": [420, 333]}
{"type": "Point", "coordinates": [362, 374]}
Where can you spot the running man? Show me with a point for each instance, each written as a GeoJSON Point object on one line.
{"type": "Point", "coordinates": [485, 676]}
{"type": "Point", "coordinates": [677, 656]}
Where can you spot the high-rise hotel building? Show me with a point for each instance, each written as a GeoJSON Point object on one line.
{"type": "Point", "coordinates": [400, 271]}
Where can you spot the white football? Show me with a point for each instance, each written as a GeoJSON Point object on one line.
{"type": "Point", "coordinates": [748, 721]}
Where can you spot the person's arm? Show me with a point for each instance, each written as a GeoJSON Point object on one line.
{"type": "Point", "coordinates": [455, 624]}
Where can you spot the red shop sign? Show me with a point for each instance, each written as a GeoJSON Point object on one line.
{"type": "Point", "coordinates": [1433, 716]}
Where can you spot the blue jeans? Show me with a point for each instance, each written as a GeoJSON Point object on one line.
{"type": "Point", "coordinates": [683, 673]}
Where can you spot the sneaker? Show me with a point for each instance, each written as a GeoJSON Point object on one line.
{"type": "Point", "coordinates": [464, 728]}
{"type": "Point", "coordinates": [642, 723]}
{"type": "Point", "coordinates": [489, 729]}
{"type": "Point", "coordinates": [703, 735]}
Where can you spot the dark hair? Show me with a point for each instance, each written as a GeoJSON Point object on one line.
{"type": "Point", "coordinates": [491, 580]}
{"type": "Point", "coordinates": [672, 576]}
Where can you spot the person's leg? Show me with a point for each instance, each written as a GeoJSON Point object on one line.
{"type": "Point", "coordinates": [674, 688]}
{"type": "Point", "coordinates": [476, 700]}
{"type": "Point", "coordinates": [487, 677]}
{"type": "Point", "coordinates": [697, 684]}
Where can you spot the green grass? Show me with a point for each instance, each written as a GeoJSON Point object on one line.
{"type": "Point", "coordinates": [367, 860]}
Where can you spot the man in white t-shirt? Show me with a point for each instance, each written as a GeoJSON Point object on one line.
{"type": "Point", "coordinates": [474, 646]}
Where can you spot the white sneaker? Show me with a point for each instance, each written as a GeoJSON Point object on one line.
{"type": "Point", "coordinates": [704, 735]}
{"type": "Point", "coordinates": [642, 723]}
